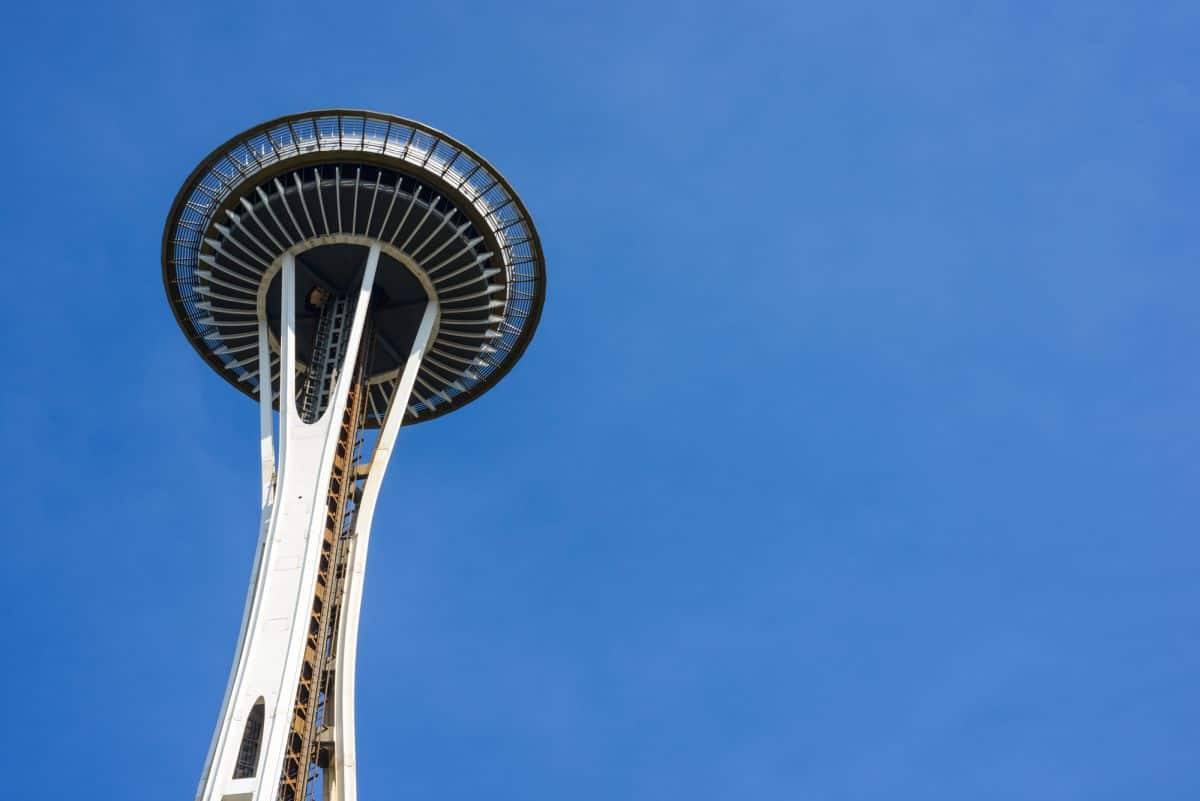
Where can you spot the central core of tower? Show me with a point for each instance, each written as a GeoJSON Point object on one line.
{"type": "Point", "coordinates": [327, 278]}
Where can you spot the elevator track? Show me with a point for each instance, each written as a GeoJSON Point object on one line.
{"type": "Point", "coordinates": [309, 758]}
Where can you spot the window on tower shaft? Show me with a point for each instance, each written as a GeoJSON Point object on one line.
{"type": "Point", "coordinates": [247, 760]}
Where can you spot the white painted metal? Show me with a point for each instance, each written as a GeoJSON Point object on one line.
{"type": "Point", "coordinates": [266, 420]}
{"type": "Point", "coordinates": [267, 449]}
{"type": "Point", "coordinates": [275, 622]}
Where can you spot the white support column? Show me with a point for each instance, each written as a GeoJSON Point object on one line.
{"type": "Point", "coordinates": [343, 778]}
{"type": "Point", "coordinates": [275, 627]}
{"type": "Point", "coordinates": [267, 452]}
{"type": "Point", "coordinates": [266, 417]}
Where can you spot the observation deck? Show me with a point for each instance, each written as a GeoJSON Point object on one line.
{"type": "Point", "coordinates": [325, 186]}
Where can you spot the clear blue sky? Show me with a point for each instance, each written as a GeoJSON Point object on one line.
{"type": "Point", "coordinates": [856, 456]}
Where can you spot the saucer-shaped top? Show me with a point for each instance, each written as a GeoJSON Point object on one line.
{"type": "Point", "coordinates": [326, 186]}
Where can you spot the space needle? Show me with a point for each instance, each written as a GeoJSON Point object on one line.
{"type": "Point", "coordinates": [355, 273]}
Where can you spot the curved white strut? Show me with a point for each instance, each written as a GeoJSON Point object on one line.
{"type": "Point", "coordinates": [344, 784]}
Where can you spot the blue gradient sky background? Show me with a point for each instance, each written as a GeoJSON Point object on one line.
{"type": "Point", "coordinates": [855, 458]}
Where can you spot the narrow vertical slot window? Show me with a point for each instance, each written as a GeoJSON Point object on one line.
{"type": "Point", "coordinates": [247, 761]}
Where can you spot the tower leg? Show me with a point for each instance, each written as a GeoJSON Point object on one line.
{"type": "Point", "coordinates": [342, 778]}
{"type": "Point", "coordinates": [247, 753]}
{"type": "Point", "coordinates": [267, 448]}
